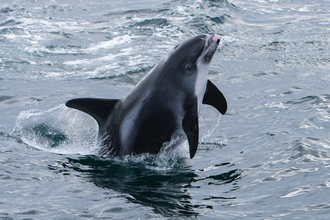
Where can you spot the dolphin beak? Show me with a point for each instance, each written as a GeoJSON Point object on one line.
{"type": "Point", "coordinates": [212, 42]}
{"type": "Point", "coordinates": [216, 38]}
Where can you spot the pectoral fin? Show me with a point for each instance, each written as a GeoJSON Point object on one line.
{"type": "Point", "coordinates": [99, 109]}
{"type": "Point", "coordinates": [191, 128]}
{"type": "Point", "coordinates": [215, 98]}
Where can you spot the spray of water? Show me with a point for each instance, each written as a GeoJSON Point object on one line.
{"type": "Point", "coordinates": [59, 130]}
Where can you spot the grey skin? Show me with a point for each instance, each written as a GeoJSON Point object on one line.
{"type": "Point", "coordinates": [163, 105]}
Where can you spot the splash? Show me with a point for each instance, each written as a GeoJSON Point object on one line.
{"type": "Point", "coordinates": [58, 130]}
{"type": "Point", "coordinates": [172, 155]}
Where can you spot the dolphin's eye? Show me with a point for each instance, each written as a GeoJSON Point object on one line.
{"type": "Point", "coordinates": [189, 67]}
{"type": "Point", "coordinates": [176, 46]}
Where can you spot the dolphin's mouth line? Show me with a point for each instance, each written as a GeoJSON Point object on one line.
{"type": "Point", "coordinates": [211, 44]}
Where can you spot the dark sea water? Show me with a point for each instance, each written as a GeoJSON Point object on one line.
{"type": "Point", "coordinates": [266, 158]}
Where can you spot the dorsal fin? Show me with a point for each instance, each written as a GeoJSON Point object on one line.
{"type": "Point", "coordinates": [215, 98]}
{"type": "Point", "coordinates": [99, 109]}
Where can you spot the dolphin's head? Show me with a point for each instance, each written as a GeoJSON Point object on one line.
{"type": "Point", "coordinates": [194, 52]}
{"type": "Point", "coordinates": [191, 60]}
{"type": "Point", "coordinates": [199, 48]}
{"type": "Point", "coordinates": [186, 67]}
{"type": "Point", "coordinates": [192, 57]}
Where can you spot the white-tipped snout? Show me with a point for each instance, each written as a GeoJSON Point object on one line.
{"type": "Point", "coordinates": [216, 37]}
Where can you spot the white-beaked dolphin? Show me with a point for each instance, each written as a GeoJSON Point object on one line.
{"type": "Point", "coordinates": [163, 104]}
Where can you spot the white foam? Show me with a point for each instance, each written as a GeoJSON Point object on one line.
{"type": "Point", "coordinates": [109, 44]}
{"type": "Point", "coordinates": [100, 60]}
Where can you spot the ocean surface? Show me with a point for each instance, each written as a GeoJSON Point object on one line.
{"type": "Point", "coordinates": [268, 157]}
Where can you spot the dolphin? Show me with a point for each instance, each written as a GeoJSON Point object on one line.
{"type": "Point", "coordinates": [163, 105]}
